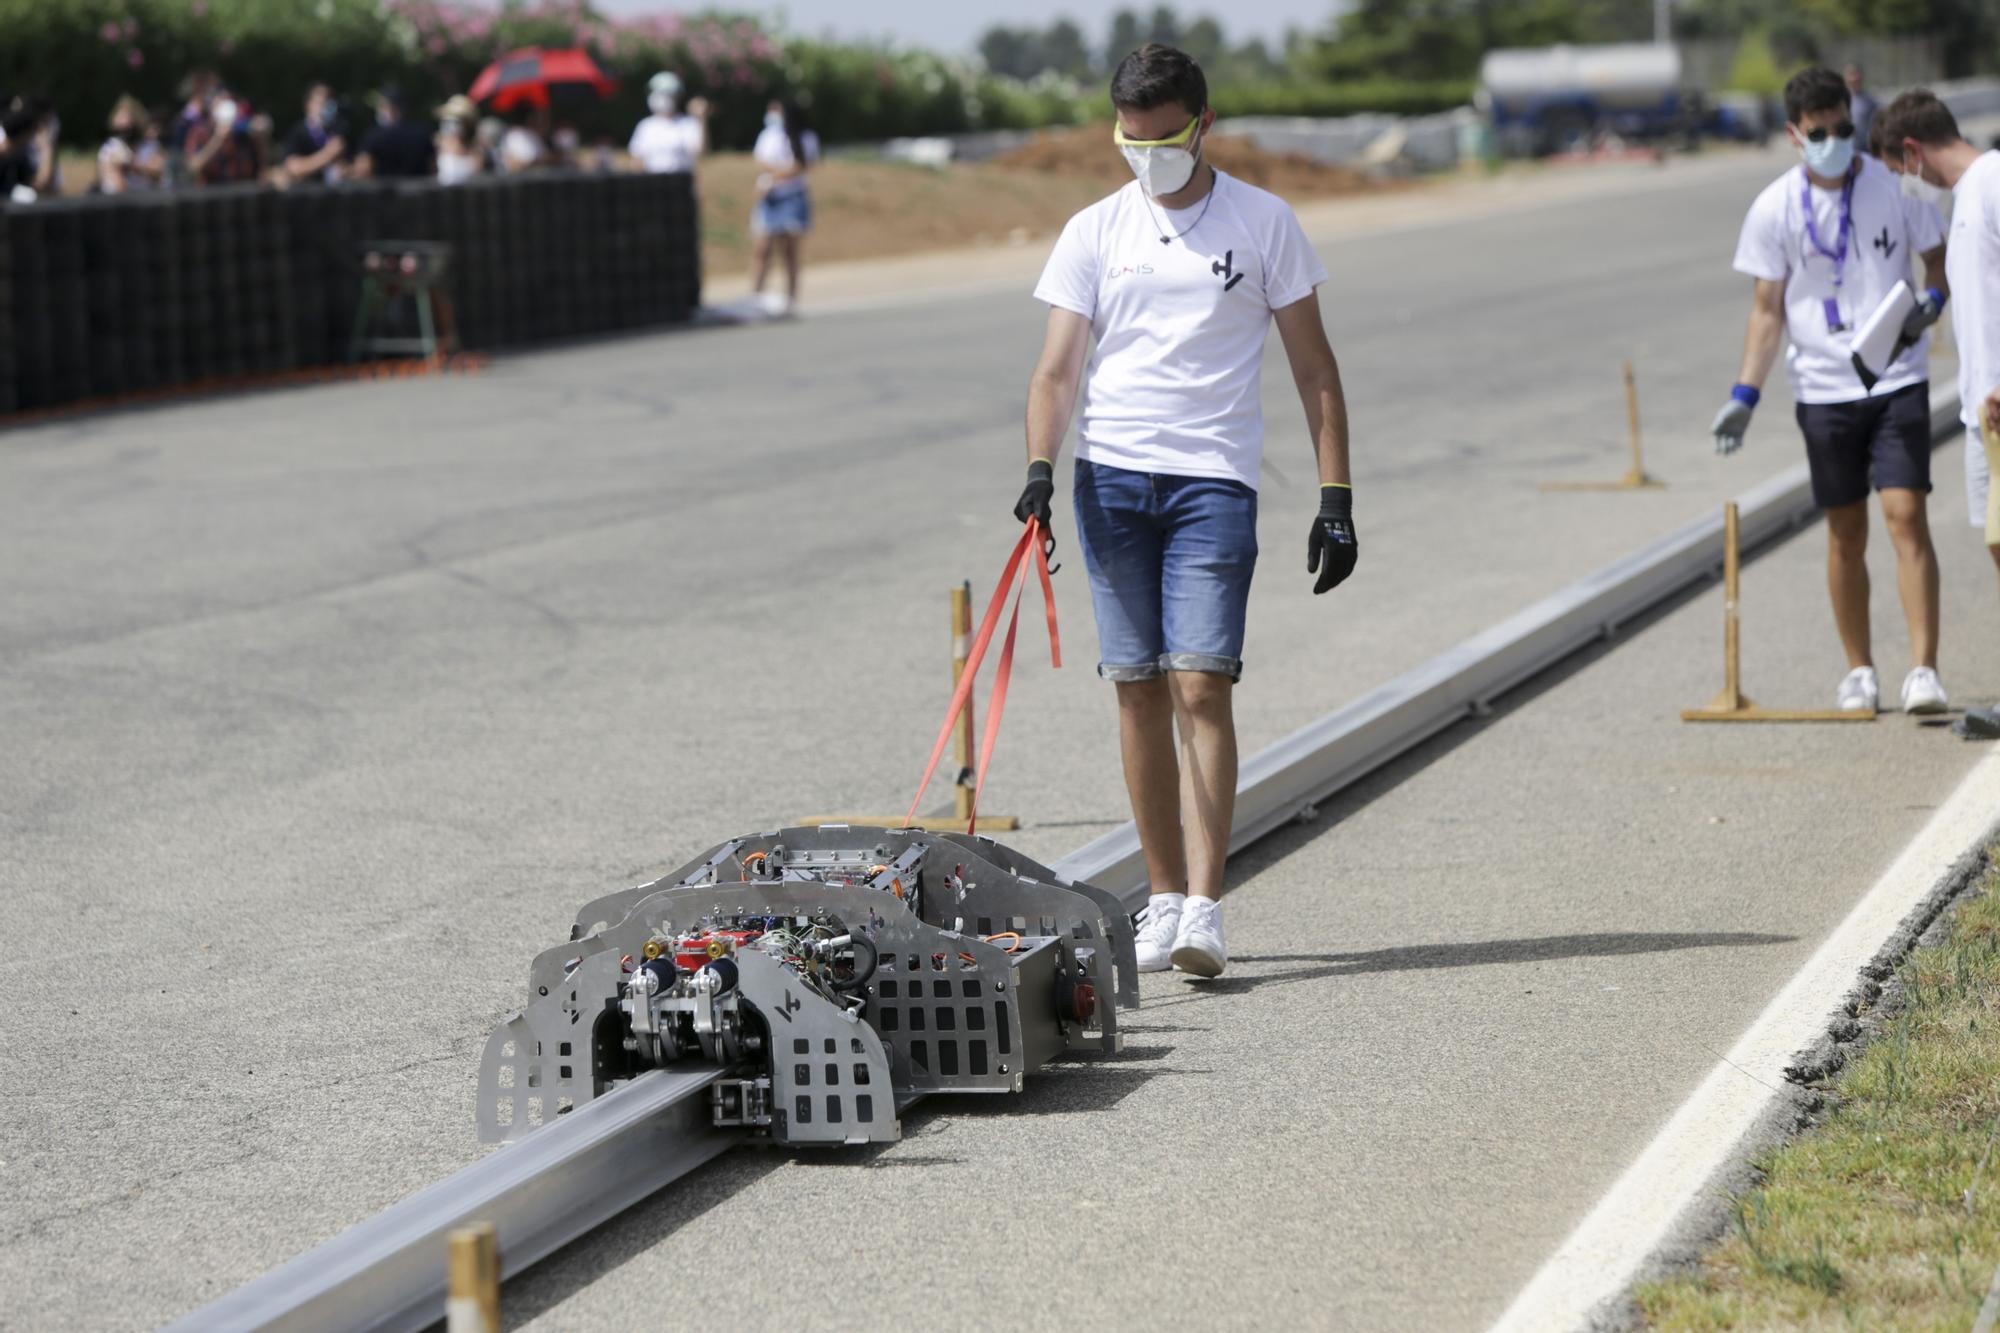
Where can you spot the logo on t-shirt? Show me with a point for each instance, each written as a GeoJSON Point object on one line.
{"type": "Point", "coordinates": [1885, 245]}
{"type": "Point", "coordinates": [1225, 268]}
{"type": "Point", "coordinates": [1131, 271]}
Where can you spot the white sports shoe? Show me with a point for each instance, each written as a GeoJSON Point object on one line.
{"type": "Point", "coordinates": [1860, 692]}
{"type": "Point", "coordinates": [1923, 692]}
{"type": "Point", "coordinates": [1199, 948]}
{"type": "Point", "coordinates": [1159, 925]}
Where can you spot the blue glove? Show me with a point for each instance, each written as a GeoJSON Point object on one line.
{"type": "Point", "coordinates": [1929, 306]}
{"type": "Point", "coordinates": [1734, 419]}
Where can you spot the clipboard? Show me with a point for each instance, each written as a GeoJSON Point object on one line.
{"type": "Point", "coordinates": [1881, 340]}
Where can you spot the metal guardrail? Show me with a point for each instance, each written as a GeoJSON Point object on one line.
{"type": "Point", "coordinates": [387, 1273]}
{"type": "Point", "coordinates": [1284, 781]}
{"type": "Point", "coordinates": [569, 1177]}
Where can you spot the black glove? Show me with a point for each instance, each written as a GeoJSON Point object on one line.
{"type": "Point", "coordinates": [1332, 549]}
{"type": "Point", "coordinates": [1035, 496]}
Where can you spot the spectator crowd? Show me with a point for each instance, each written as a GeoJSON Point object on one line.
{"type": "Point", "coordinates": [214, 136]}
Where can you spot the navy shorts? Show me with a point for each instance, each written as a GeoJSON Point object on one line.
{"type": "Point", "coordinates": [1880, 443]}
{"type": "Point", "coordinates": [1170, 559]}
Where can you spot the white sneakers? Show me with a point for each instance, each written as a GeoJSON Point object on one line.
{"type": "Point", "coordinates": [1178, 931]}
{"type": "Point", "coordinates": [1198, 949]}
{"type": "Point", "coordinates": [1923, 692]}
{"type": "Point", "coordinates": [1159, 927]}
{"type": "Point", "coordinates": [1861, 692]}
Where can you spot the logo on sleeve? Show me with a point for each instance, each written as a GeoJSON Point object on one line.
{"type": "Point", "coordinates": [1225, 268]}
{"type": "Point", "coordinates": [1885, 245]}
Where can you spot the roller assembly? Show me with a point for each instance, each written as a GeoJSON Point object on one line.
{"type": "Point", "coordinates": [831, 975]}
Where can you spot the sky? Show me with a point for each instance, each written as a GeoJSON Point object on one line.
{"type": "Point", "coordinates": [953, 26]}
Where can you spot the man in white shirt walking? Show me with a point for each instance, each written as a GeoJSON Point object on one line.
{"type": "Point", "coordinates": [1826, 244]}
{"type": "Point", "coordinates": [1178, 278]}
{"type": "Point", "coordinates": [1920, 137]}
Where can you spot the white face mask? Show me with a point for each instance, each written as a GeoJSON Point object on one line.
{"type": "Point", "coordinates": [1916, 187]}
{"type": "Point", "coordinates": [1828, 158]}
{"type": "Point", "coordinates": [1161, 170]}
{"type": "Point", "coordinates": [774, 120]}
{"type": "Point", "coordinates": [224, 112]}
{"type": "Point", "coordinates": [661, 103]}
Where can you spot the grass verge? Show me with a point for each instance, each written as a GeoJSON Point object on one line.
{"type": "Point", "coordinates": [1886, 1214]}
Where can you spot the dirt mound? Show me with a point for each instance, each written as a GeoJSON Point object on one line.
{"type": "Point", "coordinates": [1088, 153]}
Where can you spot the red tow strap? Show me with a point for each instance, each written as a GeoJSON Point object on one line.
{"type": "Point", "coordinates": [1014, 578]}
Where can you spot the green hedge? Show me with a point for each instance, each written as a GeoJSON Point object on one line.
{"type": "Point", "coordinates": [85, 53]}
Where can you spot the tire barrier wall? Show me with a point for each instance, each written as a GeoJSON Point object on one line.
{"type": "Point", "coordinates": [102, 297]}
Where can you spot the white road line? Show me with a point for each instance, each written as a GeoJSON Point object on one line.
{"type": "Point", "coordinates": [1605, 1252]}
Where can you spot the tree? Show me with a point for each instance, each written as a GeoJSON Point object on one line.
{"type": "Point", "coordinates": [1126, 37]}
{"type": "Point", "coordinates": [1204, 41]}
{"type": "Point", "coordinates": [1004, 50]}
{"type": "Point", "coordinates": [1064, 51]}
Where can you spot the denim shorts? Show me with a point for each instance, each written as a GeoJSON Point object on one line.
{"type": "Point", "coordinates": [1170, 561]}
{"type": "Point", "coordinates": [781, 213]}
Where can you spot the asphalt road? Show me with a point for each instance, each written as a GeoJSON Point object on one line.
{"type": "Point", "coordinates": [323, 710]}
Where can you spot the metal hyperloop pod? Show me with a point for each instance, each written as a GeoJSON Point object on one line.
{"type": "Point", "coordinates": [833, 975]}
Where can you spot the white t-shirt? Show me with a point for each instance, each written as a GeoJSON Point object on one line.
{"type": "Point", "coordinates": [520, 147]}
{"type": "Point", "coordinates": [1972, 266]}
{"type": "Point", "coordinates": [667, 143]}
{"type": "Point", "coordinates": [1174, 384]}
{"type": "Point", "coordinates": [774, 149]}
{"type": "Point", "coordinates": [1888, 227]}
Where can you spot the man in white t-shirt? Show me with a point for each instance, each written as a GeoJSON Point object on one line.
{"type": "Point", "coordinates": [1178, 278]}
{"type": "Point", "coordinates": [1920, 137]}
{"type": "Point", "coordinates": [1826, 243]}
{"type": "Point", "coordinates": [670, 139]}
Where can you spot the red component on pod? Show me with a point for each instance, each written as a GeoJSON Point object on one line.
{"type": "Point", "coordinates": [1083, 1002]}
{"type": "Point", "coordinates": [693, 952]}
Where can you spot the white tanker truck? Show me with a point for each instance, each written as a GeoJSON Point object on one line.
{"type": "Point", "coordinates": [1549, 98]}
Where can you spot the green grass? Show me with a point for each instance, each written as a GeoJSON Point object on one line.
{"type": "Point", "coordinates": [1887, 1214]}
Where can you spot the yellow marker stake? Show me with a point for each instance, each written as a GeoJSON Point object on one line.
{"type": "Point", "coordinates": [472, 1281]}
{"type": "Point", "coordinates": [1732, 705]}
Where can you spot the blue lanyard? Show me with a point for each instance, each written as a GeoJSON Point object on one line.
{"type": "Point", "coordinates": [1839, 252]}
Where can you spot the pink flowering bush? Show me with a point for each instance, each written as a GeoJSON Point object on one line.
{"type": "Point", "coordinates": [85, 53]}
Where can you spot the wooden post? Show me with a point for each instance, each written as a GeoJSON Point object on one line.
{"type": "Point", "coordinates": [1732, 666]}
{"type": "Point", "coordinates": [1635, 478]}
{"type": "Point", "coordinates": [961, 789]}
{"type": "Point", "coordinates": [1638, 474]}
{"type": "Point", "coordinates": [1732, 705]}
{"type": "Point", "coordinates": [472, 1285]}
{"type": "Point", "coordinates": [961, 647]}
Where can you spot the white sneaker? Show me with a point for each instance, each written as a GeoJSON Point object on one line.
{"type": "Point", "coordinates": [1923, 692]}
{"type": "Point", "coordinates": [1860, 692]}
{"type": "Point", "coordinates": [1199, 948]}
{"type": "Point", "coordinates": [1159, 925]}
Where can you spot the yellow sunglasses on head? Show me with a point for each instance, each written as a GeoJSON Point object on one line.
{"type": "Point", "coordinates": [1180, 140]}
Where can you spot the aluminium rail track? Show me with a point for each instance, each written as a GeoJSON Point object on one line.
{"type": "Point", "coordinates": [557, 1184]}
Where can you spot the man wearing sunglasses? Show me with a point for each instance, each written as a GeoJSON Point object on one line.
{"type": "Point", "coordinates": [1826, 244]}
{"type": "Point", "coordinates": [1920, 139]}
{"type": "Point", "coordinates": [1178, 278]}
